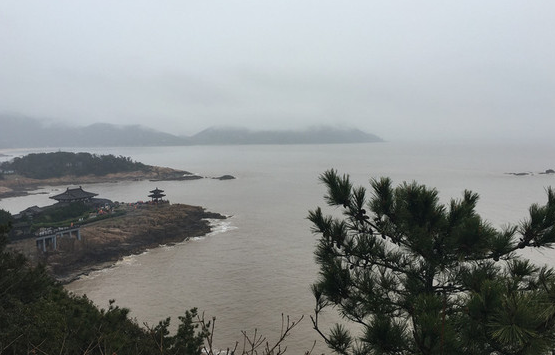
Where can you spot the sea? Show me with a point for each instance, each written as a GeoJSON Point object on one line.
{"type": "Point", "coordinates": [255, 268]}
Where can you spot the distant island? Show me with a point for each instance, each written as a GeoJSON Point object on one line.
{"type": "Point", "coordinates": [526, 173]}
{"type": "Point", "coordinates": [25, 132]}
{"type": "Point", "coordinates": [22, 174]}
{"type": "Point", "coordinates": [317, 135]}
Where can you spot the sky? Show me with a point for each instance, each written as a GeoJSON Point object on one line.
{"type": "Point", "coordinates": [404, 70]}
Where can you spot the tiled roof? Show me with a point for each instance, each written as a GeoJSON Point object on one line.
{"type": "Point", "coordinates": [73, 195]}
{"type": "Point", "coordinates": [158, 195]}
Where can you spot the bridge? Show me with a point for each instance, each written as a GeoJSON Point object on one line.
{"type": "Point", "coordinates": [48, 239]}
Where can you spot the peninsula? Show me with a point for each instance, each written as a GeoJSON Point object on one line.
{"type": "Point", "coordinates": [132, 229]}
{"type": "Point", "coordinates": [80, 232]}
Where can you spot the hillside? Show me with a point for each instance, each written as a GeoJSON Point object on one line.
{"type": "Point", "coordinates": [64, 168]}
{"type": "Point", "coordinates": [58, 164]}
{"type": "Point", "coordinates": [25, 132]}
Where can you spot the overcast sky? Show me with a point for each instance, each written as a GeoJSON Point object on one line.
{"type": "Point", "coordinates": [400, 69]}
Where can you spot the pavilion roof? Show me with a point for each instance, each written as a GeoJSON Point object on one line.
{"type": "Point", "coordinates": [156, 195]}
{"type": "Point", "coordinates": [73, 195]}
{"type": "Point", "coordinates": [156, 191]}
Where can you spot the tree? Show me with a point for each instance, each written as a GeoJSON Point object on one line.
{"type": "Point", "coordinates": [414, 276]}
{"type": "Point", "coordinates": [5, 219]}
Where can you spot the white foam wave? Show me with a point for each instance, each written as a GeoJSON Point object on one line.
{"type": "Point", "coordinates": [220, 226]}
{"type": "Point", "coordinates": [93, 274]}
{"type": "Point", "coordinates": [127, 260]}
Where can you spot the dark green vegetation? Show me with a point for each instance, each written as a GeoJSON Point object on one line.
{"type": "Point", "coordinates": [63, 215]}
{"type": "Point", "coordinates": [420, 277]}
{"type": "Point", "coordinates": [5, 218]}
{"type": "Point", "coordinates": [37, 316]}
{"type": "Point", "coordinates": [62, 212]}
{"type": "Point", "coordinates": [58, 164]}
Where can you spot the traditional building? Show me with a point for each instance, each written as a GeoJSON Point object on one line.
{"type": "Point", "coordinates": [156, 195]}
{"type": "Point", "coordinates": [74, 195]}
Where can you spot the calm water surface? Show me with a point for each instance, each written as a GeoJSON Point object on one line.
{"type": "Point", "coordinates": [259, 264]}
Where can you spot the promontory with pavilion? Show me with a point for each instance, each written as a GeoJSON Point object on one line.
{"type": "Point", "coordinates": [82, 231]}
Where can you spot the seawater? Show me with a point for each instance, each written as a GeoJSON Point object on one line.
{"type": "Point", "coordinates": [258, 264]}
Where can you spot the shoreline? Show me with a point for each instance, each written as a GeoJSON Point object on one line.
{"type": "Point", "coordinates": [17, 185]}
{"type": "Point", "coordinates": [108, 241]}
{"type": "Point", "coordinates": [14, 185]}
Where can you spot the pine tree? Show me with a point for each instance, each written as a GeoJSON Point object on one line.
{"type": "Point", "coordinates": [414, 276]}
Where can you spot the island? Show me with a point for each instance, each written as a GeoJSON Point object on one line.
{"type": "Point", "coordinates": [24, 174]}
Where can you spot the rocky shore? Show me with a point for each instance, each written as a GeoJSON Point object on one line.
{"type": "Point", "coordinates": [105, 242]}
{"type": "Point", "coordinates": [14, 185]}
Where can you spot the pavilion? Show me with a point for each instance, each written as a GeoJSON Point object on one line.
{"type": "Point", "coordinates": [74, 195]}
{"type": "Point", "coordinates": [156, 195]}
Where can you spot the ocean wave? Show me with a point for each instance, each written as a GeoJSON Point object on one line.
{"type": "Point", "coordinates": [128, 260]}
{"type": "Point", "coordinates": [220, 226]}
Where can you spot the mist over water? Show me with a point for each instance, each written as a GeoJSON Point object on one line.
{"type": "Point", "coordinates": [259, 263]}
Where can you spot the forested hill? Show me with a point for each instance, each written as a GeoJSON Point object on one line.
{"type": "Point", "coordinates": [57, 164]}
{"type": "Point", "coordinates": [25, 132]}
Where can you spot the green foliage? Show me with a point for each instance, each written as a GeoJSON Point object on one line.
{"type": "Point", "coordinates": [63, 212]}
{"type": "Point", "coordinates": [421, 277]}
{"type": "Point", "coordinates": [187, 340]}
{"type": "Point", "coordinates": [5, 217]}
{"type": "Point", "coordinates": [51, 165]}
{"type": "Point", "coordinates": [50, 222]}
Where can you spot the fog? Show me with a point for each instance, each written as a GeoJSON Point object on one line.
{"type": "Point", "coordinates": [403, 70]}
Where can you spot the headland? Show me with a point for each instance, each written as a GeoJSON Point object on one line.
{"type": "Point", "coordinates": [142, 226]}
{"type": "Point", "coordinates": [104, 231]}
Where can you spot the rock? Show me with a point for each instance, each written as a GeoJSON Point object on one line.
{"type": "Point", "coordinates": [225, 177]}
{"type": "Point", "coordinates": [519, 174]}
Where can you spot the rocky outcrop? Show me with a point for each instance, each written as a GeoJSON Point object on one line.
{"type": "Point", "coordinates": [225, 177]}
{"type": "Point", "coordinates": [548, 172]}
{"type": "Point", "coordinates": [142, 227]}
